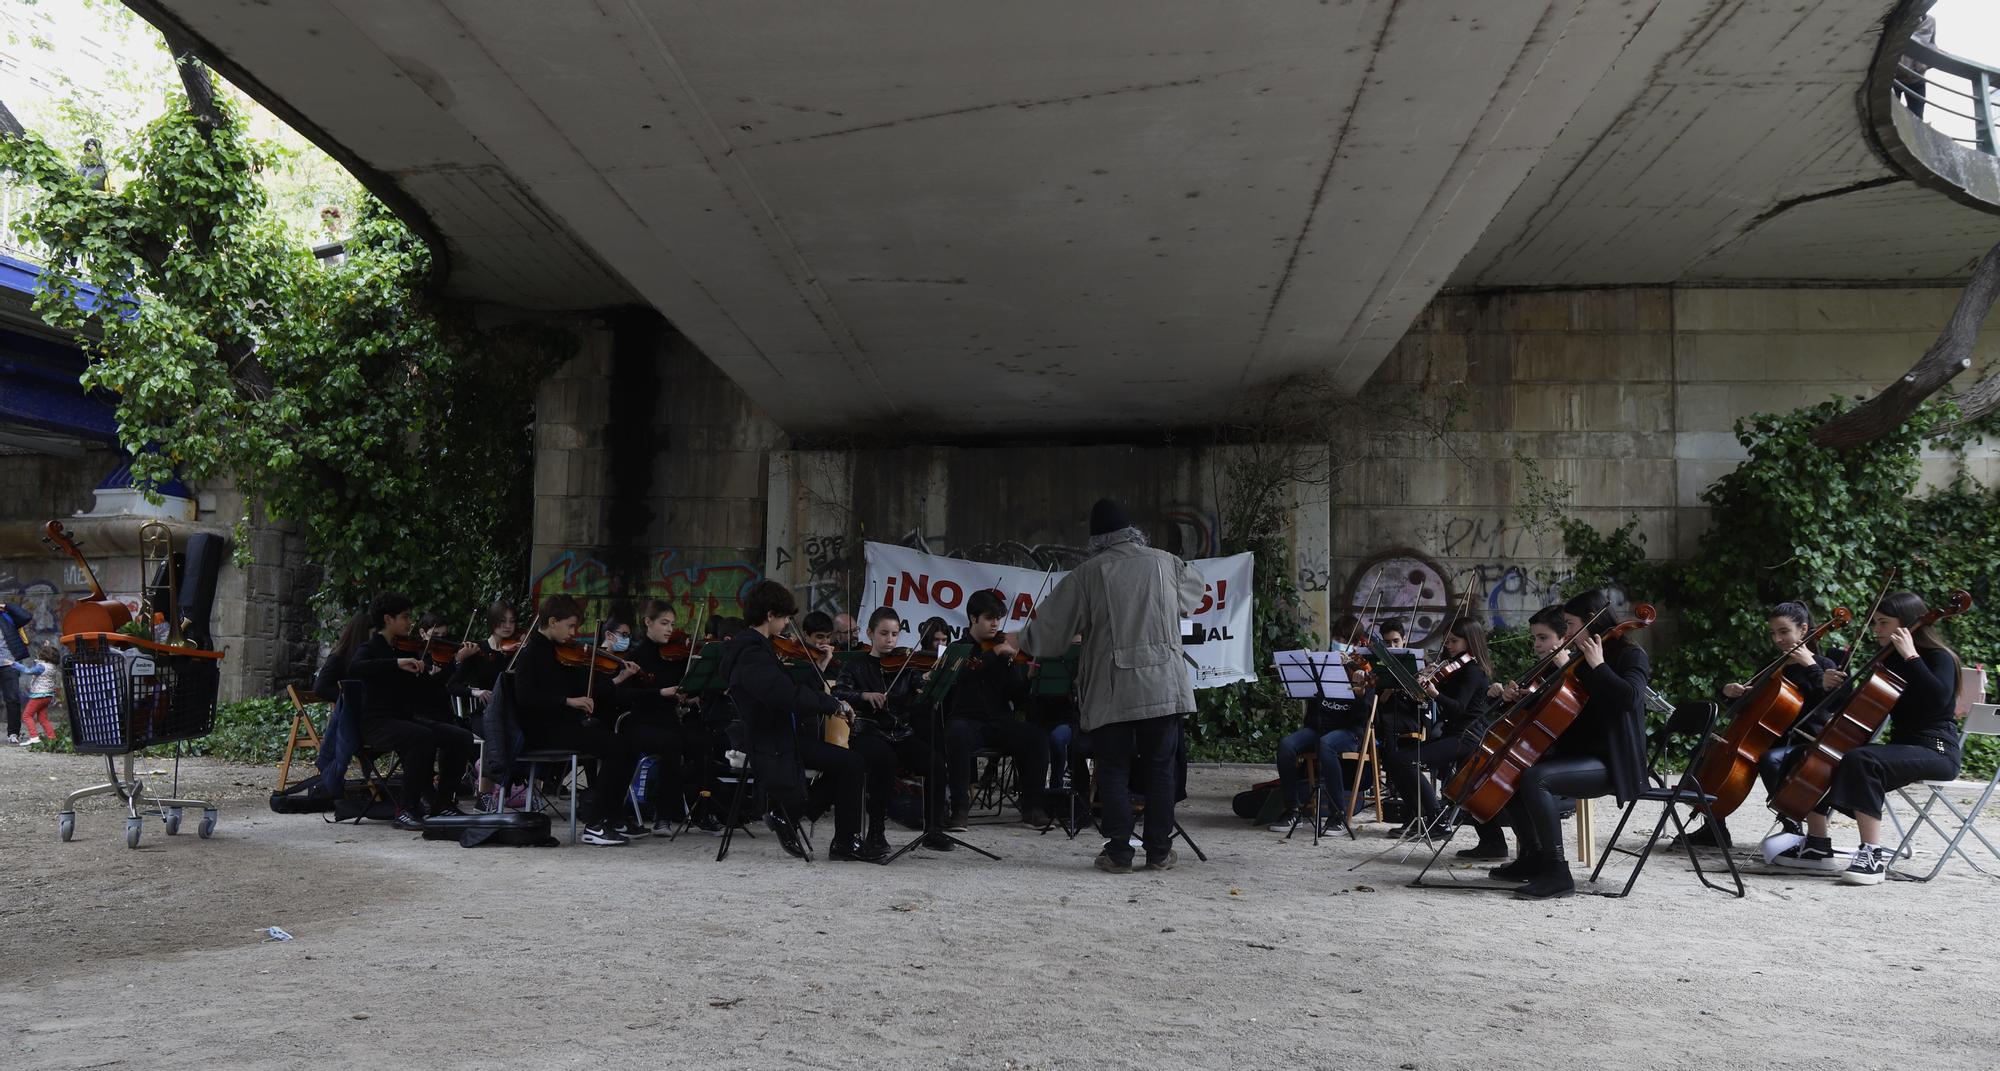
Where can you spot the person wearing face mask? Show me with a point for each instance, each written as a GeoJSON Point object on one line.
{"type": "Point", "coordinates": [554, 713]}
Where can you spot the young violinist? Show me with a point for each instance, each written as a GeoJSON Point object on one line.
{"type": "Point", "coordinates": [1922, 745]}
{"type": "Point", "coordinates": [474, 677]}
{"type": "Point", "coordinates": [1460, 696]}
{"type": "Point", "coordinates": [783, 719]}
{"type": "Point", "coordinates": [898, 738]}
{"type": "Point", "coordinates": [1602, 751]}
{"type": "Point", "coordinates": [1341, 718]}
{"type": "Point", "coordinates": [981, 715]}
{"type": "Point", "coordinates": [554, 713]}
{"type": "Point", "coordinates": [651, 718]}
{"type": "Point", "coordinates": [400, 715]}
{"type": "Point", "coordinates": [1789, 623]}
{"type": "Point", "coordinates": [1394, 713]}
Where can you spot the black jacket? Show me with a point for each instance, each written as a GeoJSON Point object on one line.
{"type": "Point", "coordinates": [479, 671]}
{"type": "Point", "coordinates": [865, 674]}
{"type": "Point", "coordinates": [777, 708]}
{"type": "Point", "coordinates": [1612, 726]}
{"type": "Point", "coordinates": [1813, 691]}
{"type": "Point", "coordinates": [543, 686]}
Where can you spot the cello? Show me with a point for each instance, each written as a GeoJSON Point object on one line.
{"type": "Point", "coordinates": [1520, 737]}
{"type": "Point", "coordinates": [1757, 721]}
{"type": "Point", "coordinates": [100, 612]}
{"type": "Point", "coordinates": [1854, 722]}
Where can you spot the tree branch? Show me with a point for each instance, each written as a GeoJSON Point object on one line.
{"type": "Point", "coordinates": [1982, 401]}
{"type": "Point", "coordinates": [1946, 358]}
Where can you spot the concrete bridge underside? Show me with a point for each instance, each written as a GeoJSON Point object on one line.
{"type": "Point", "coordinates": [1041, 216]}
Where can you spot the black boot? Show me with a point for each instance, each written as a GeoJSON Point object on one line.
{"type": "Point", "coordinates": [1492, 844]}
{"type": "Point", "coordinates": [1523, 869]}
{"type": "Point", "coordinates": [878, 836]}
{"type": "Point", "coordinates": [1552, 880]}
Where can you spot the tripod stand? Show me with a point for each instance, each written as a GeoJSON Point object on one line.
{"type": "Point", "coordinates": [935, 689]}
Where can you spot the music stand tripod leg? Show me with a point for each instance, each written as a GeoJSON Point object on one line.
{"type": "Point", "coordinates": [933, 821]}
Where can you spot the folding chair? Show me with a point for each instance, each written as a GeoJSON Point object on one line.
{"type": "Point", "coordinates": [301, 722]}
{"type": "Point", "coordinates": [997, 784]}
{"type": "Point", "coordinates": [1695, 720]}
{"type": "Point", "coordinates": [1982, 719]}
{"type": "Point", "coordinates": [535, 760]}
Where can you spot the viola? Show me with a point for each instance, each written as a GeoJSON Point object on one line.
{"type": "Point", "coordinates": [1758, 719]}
{"type": "Point", "coordinates": [1519, 738]}
{"type": "Point", "coordinates": [100, 612]}
{"type": "Point", "coordinates": [1860, 715]}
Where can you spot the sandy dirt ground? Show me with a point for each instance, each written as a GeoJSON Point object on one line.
{"type": "Point", "coordinates": [1273, 954]}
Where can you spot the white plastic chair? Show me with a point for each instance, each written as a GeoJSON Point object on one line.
{"type": "Point", "coordinates": [1983, 719]}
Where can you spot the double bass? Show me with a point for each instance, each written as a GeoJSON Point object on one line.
{"type": "Point", "coordinates": [1524, 733]}
{"type": "Point", "coordinates": [1758, 719]}
{"type": "Point", "coordinates": [1861, 714]}
{"type": "Point", "coordinates": [100, 612]}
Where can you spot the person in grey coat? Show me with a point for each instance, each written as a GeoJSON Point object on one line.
{"type": "Point", "coordinates": [1126, 600]}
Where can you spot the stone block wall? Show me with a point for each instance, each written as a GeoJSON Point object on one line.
{"type": "Point", "coordinates": [1626, 396]}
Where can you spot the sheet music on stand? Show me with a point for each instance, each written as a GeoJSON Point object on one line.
{"type": "Point", "coordinates": [1314, 675]}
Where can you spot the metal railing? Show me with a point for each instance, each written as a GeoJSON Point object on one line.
{"type": "Point", "coordinates": [1920, 92]}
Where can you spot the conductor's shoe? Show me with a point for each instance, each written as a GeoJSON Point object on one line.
{"type": "Point", "coordinates": [938, 842]}
{"type": "Point", "coordinates": [1162, 862]}
{"type": "Point", "coordinates": [787, 834]}
{"type": "Point", "coordinates": [1113, 866]}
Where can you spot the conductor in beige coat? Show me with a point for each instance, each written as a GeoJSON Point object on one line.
{"type": "Point", "coordinates": [1127, 600]}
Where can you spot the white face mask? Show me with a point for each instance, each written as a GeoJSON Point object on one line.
{"type": "Point", "coordinates": [618, 641]}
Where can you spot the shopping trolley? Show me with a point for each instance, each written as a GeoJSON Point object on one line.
{"type": "Point", "coordinates": [126, 694]}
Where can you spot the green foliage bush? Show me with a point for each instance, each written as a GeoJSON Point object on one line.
{"type": "Point", "coordinates": [1796, 521]}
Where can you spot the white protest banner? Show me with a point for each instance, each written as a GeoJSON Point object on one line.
{"type": "Point", "coordinates": [921, 586]}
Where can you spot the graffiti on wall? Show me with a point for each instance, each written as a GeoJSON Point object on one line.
{"type": "Point", "coordinates": [48, 602]}
{"type": "Point", "coordinates": [695, 590]}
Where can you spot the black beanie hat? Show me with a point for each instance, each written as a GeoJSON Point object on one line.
{"type": "Point", "coordinates": [1107, 516]}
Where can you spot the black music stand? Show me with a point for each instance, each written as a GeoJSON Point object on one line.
{"type": "Point", "coordinates": [1311, 676]}
{"type": "Point", "coordinates": [1055, 678]}
{"type": "Point", "coordinates": [935, 689]}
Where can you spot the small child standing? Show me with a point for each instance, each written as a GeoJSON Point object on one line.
{"type": "Point", "coordinates": [41, 693]}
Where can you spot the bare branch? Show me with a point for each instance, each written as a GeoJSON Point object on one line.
{"type": "Point", "coordinates": [1946, 358]}
{"type": "Point", "coordinates": [1982, 401]}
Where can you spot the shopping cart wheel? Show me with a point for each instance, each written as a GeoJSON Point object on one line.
{"type": "Point", "coordinates": [133, 827]}
{"type": "Point", "coordinates": [207, 827]}
{"type": "Point", "coordinates": [173, 817]}
{"type": "Point", "coordinates": [66, 825]}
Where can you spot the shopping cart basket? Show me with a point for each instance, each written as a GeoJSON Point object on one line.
{"type": "Point", "coordinates": [126, 694]}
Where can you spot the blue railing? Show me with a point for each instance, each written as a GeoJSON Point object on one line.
{"type": "Point", "coordinates": [1922, 93]}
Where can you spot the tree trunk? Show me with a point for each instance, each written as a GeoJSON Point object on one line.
{"type": "Point", "coordinates": [1947, 357]}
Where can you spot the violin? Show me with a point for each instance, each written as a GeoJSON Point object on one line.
{"type": "Point", "coordinates": [903, 658]}
{"type": "Point", "coordinates": [1441, 670]}
{"type": "Point", "coordinates": [577, 655]}
{"type": "Point", "coordinates": [1021, 658]}
{"type": "Point", "coordinates": [100, 612]}
{"type": "Point", "coordinates": [1518, 739]}
{"type": "Point", "coordinates": [679, 646]}
{"type": "Point", "coordinates": [1861, 715]}
{"type": "Point", "coordinates": [794, 650]}
{"type": "Point", "coordinates": [440, 652]}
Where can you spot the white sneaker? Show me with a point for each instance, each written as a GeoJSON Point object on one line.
{"type": "Point", "coordinates": [1781, 842]}
{"type": "Point", "coordinates": [13, 738]}
{"type": "Point", "coordinates": [602, 836]}
{"type": "Point", "coordinates": [31, 741]}
{"type": "Point", "coordinates": [1806, 856]}
{"type": "Point", "coordinates": [1868, 867]}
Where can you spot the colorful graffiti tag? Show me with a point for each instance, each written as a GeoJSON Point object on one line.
{"type": "Point", "coordinates": [696, 590]}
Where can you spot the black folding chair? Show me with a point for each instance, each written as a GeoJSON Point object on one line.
{"type": "Point", "coordinates": [1695, 720]}
{"type": "Point", "coordinates": [353, 700]}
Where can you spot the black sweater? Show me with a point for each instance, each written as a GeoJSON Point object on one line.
{"type": "Point", "coordinates": [543, 686]}
{"type": "Point", "coordinates": [987, 688]}
{"type": "Point", "coordinates": [1462, 699]}
{"type": "Point", "coordinates": [1930, 690]}
{"type": "Point", "coordinates": [393, 692]}
{"type": "Point", "coordinates": [766, 697]}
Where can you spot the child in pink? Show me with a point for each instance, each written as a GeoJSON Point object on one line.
{"type": "Point", "coordinates": [41, 693]}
